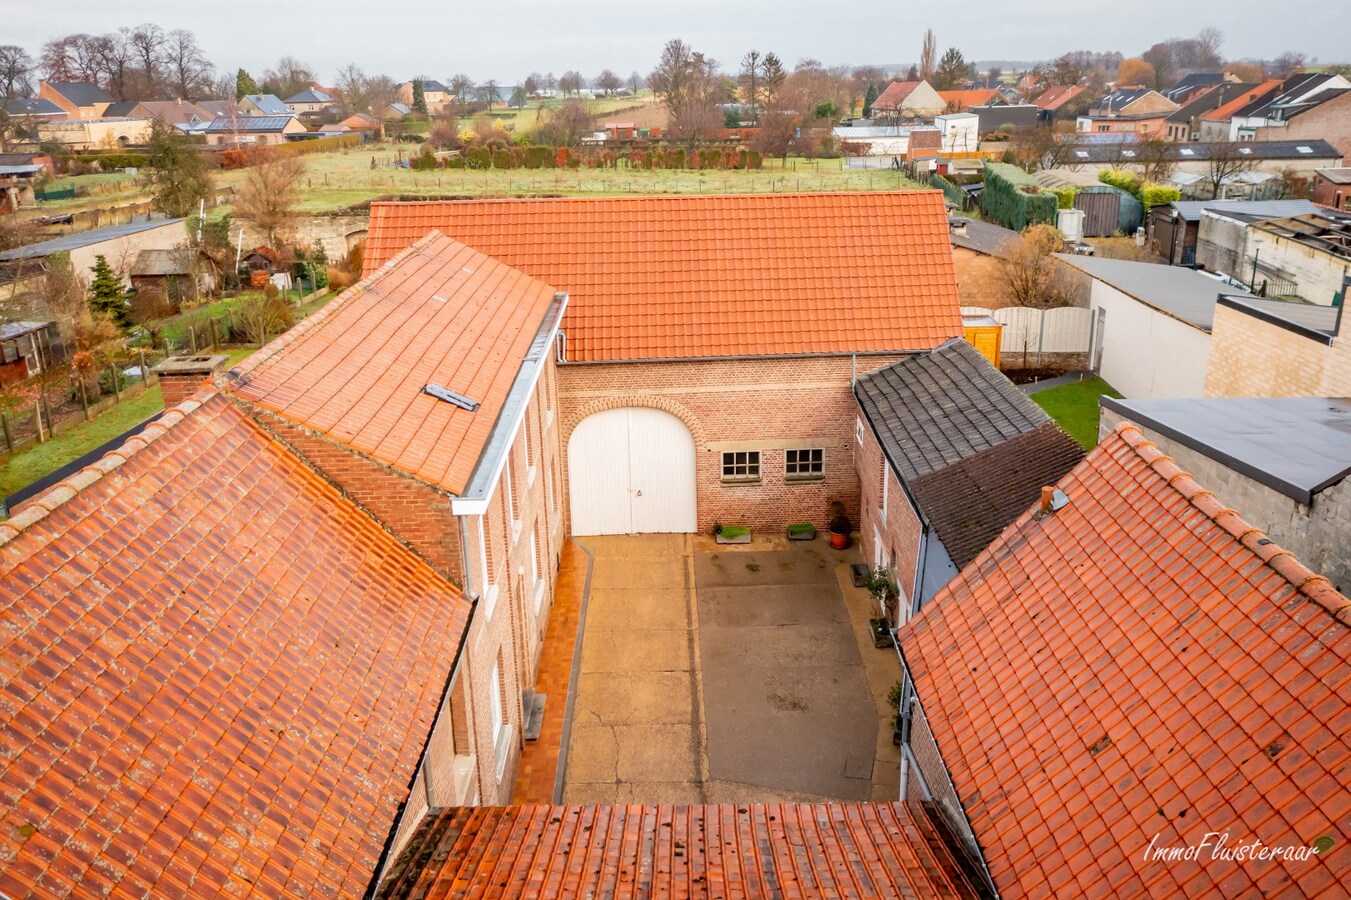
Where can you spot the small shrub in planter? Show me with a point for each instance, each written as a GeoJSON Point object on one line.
{"type": "Point", "coordinates": [881, 631]}
{"type": "Point", "coordinates": [803, 531]}
{"type": "Point", "coordinates": [734, 534]}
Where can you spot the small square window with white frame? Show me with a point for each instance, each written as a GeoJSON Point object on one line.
{"type": "Point", "coordinates": [741, 465]}
{"type": "Point", "coordinates": [804, 465]}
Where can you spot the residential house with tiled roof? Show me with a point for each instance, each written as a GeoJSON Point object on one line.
{"type": "Point", "coordinates": [1296, 95]}
{"type": "Point", "coordinates": [436, 95]}
{"type": "Point", "coordinates": [310, 100]}
{"type": "Point", "coordinates": [1138, 110]}
{"type": "Point", "coordinates": [746, 850]}
{"type": "Point", "coordinates": [79, 99]}
{"type": "Point", "coordinates": [262, 105]}
{"type": "Point", "coordinates": [1326, 115]}
{"type": "Point", "coordinates": [1194, 84]}
{"type": "Point", "coordinates": [1129, 671]}
{"type": "Point", "coordinates": [1185, 123]}
{"type": "Point", "coordinates": [710, 341]}
{"type": "Point", "coordinates": [949, 452]}
{"type": "Point", "coordinates": [962, 101]}
{"type": "Point", "coordinates": [1058, 99]}
{"type": "Point", "coordinates": [908, 100]}
{"type": "Point", "coordinates": [222, 677]}
{"type": "Point", "coordinates": [1218, 124]}
{"type": "Point", "coordinates": [427, 393]}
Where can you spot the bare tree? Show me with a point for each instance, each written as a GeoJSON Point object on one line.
{"type": "Point", "coordinates": [566, 125]}
{"type": "Point", "coordinates": [460, 85]}
{"type": "Point", "coordinates": [635, 83]}
{"type": "Point", "coordinates": [532, 83]}
{"type": "Point", "coordinates": [1043, 147]}
{"type": "Point", "coordinates": [570, 82]}
{"type": "Point", "coordinates": [608, 82]}
{"type": "Point", "coordinates": [487, 92]}
{"type": "Point", "coordinates": [147, 49]}
{"type": "Point", "coordinates": [1288, 63]}
{"type": "Point", "coordinates": [74, 57]}
{"type": "Point", "coordinates": [269, 195]}
{"type": "Point", "coordinates": [190, 75]}
{"type": "Point", "coordinates": [686, 82]}
{"type": "Point", "coordinates": [1154, 156]}
{"type": "Point", "coordinates": [290, 77]}
{"type": "Point", "coordinates": [1224, 161]}
{"type": "Point", "coordinates": [928, 56]}
{"type": "Point", "coordinates": [1210, 40]}
{"type": "Point", "coordinates": [1031, 274]}
{"type": "Point", "coordinates": [751, 78]}
{"type": "Point", "coordinates": [16, 72]}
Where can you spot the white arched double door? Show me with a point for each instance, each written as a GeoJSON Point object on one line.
{"type": "Point", "coordinates": [631, 471]}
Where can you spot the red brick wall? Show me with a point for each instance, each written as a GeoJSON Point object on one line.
{"type": "Point", "coordinates": [979, 279]}
{"type": "Point", "coordinates": [760, 403]}
{"type": "Point", "coordinates": [1330, 121]}
{"type": "Point", "coordinates": [178, 388]}
{"type": "Point", "coordinates": [899, 528]}
{"type": "Point", "coordinates": [415, 512]}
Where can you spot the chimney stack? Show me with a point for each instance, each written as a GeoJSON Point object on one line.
{"type": "Point", "coordinates": [182, 376]}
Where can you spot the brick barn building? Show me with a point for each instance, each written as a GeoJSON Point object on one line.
{"type": "Point", "coordinates": [710, 342]}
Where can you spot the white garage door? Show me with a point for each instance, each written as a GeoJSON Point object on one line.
{"type": "Point", "coordinates": [631, 471]}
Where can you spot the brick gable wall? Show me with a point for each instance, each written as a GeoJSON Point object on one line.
{"type": "Point", "coordinates": [747, 403]}
{"type": "Point", "coordinates": [899, 529]}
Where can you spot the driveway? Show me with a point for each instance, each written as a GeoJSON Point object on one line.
{"type": "Point", "coordinates": [711, 674]}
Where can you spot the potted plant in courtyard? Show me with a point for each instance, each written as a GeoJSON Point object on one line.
{"type": "Point", "coordinates": [894, 701]}
{"type": "Point", "coordinates": [802, 531]}
{"type": "Point", "coordinates": [840, 526]}
{"type": "Point", "coordinates": [886, 592]}
{"type": "Point", "coordinates": [733, 534]}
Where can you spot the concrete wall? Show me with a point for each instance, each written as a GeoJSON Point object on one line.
{"type": "Point", "coordinates": [1252, 358]}
{"type": "Point", "coordinates": [122, 252]}
{"type": "Point", "coordinates": [741, 404]}
{"type": "Point", "coordinates": [338, 233]}
{"type": "Point", "coordinates": [1147, 353]}
{"type": "Point", "coordinates": [1222, 245]}
{"type": "Point", "coordinates": [1320, 534]}
{"type": "Point", "coordinates": [1318, 273]}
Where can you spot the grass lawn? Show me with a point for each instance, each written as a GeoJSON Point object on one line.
{"type": "Point", "coordinates": [1075, 407]}
{"type": "Point", "coordinates": [344, 178]}
{"type": "Point", "coordinates": [22, 470]}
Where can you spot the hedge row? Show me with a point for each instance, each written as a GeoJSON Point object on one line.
{"type": "Point", "coordinates": [252, 156]}
{"type": "Point", "coordinates": [1014, 199]}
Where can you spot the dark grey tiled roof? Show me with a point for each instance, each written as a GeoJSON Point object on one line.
{"type": "Point", "coordinates": [972, 448]}
{"type": "Point", "coordinates": [269, 104]}
{"type": "Point", "coordinates": [1197, 152]}
{"type": "Point", "coordinates": [934, 409]}
{"type": "Point", "coordinates": [81, 93]}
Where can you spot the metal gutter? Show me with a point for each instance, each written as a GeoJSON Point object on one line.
{"type": "Point", "coordinates": [483, 480]}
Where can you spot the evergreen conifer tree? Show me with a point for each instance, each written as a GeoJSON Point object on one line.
{"type": "Point", "coordinates": [107, 297]}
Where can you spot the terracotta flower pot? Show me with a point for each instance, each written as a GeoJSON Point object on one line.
{"type": "Point", "coordinates": [839, 541]}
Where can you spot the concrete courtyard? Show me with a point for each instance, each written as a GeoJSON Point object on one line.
{"type": "Point", "coordinates": [727, 674]}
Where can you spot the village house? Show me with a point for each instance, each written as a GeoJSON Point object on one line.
{"type": "Point", "coordinates": [1060, 101]}
{"type": "Point", "coordinates": [1138, 110]}
{"type": "Point", "coordinates": [170, 112]}
{"type": "Point", "coordinates": [1184, 124]}
{"type": "Point", "coordinates": [948, 452]}
{"type": "Point", "coordinates": [95, 134]}
{"type": "Point", "coordinates": [309, 101]}
{"type": "Point", "coordinates": [1297, 492]}
{"type": "Point", "coordinates": [434, 93]}
{"type": "Point", "coordinates": [78, 99]}
{"type": "Point", "coordinates": [1130, 667]}
{"type": "Point", "coordinates": [1195, 84]}
{"type": "Point", "coordinates": [119, 244]}
{"type": "Point", "coordinates": [1332, 188]}
{"type": "Point", "coordinates": [253, 131]}
{"type": "Point", "coordinates": [444, 428]}
{"type": "Point", "coordinates": [177, 274]}
{"type": "Point", "coordinates": [710, 343]}
{"type": "Point", "coordinates": [962, 101]}
{"type": "Point", "coordinates": [908, 100]}
{"type": "Point", "coordinates": [1267, 117]}
{"type": "Point", "coordinates": [262, 105]}
{"type": "Point", "coordinates": [1218, 124]}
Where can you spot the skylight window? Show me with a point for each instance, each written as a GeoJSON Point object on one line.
{"type": "Point", "coordinates": [451, 397]}
{"type": "Point", "coordinates": [1303, 149]}
{"type": "Point", "coordinates": [1128, 153]}
{"type": "Point", "coordinates": [1246, 151]}
{"type": "Point", "coordinates": [1187, 151]}
{"type": "Point", "coordinates": [1082, 154]}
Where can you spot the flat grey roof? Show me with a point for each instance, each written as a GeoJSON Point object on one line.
{"type": "Point", "coordinates": [1181, 293]}
{"type": "Point", "coordinates": [1307, 315]}
{"type": "Point", "coordinates": [82, 239]}
{"type": "Point", "coordinates": [1298, 446]}
{"type": "Point", "coordinates": [1253, 209]}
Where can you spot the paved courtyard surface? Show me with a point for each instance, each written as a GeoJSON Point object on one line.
{"type": "Point", "coordinates": [711, 674]}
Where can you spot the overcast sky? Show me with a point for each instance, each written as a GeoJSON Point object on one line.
{"type": "Point", "coordinates": [507, 40]}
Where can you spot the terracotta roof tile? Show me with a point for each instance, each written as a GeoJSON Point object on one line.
{"type": "Point", "coordinates": [1141, 662]}
{"type": "Point", "coordinates": [752, 850]}
{"type": "Point", "coordinates": [1057, 96]}
{"type": "Point", "coordinates": [355, 371]}
{"type": "Point", "coordinates": [701, 276]}
{"type": "Point", "coordinates": [218, 674]}
{"type": "Point", "coordinates": [1226, 112]}
{"type": "Point", "coordinates": [962, 99]}
{"type": "Point", "coordinates": [894, 95]}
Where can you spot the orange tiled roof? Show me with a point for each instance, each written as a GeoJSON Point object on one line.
{"type": "Point", "coordinates": [701, 276]}
{"type": "Point", "coordinates": [752, 850]}
{"type": "Point", "coordinates": [894, 95]}
{"type": "Point", "coordinates": [1226, 112]}
{"type": "Point", "coordinates": [963, 99]}
{"type": "Point", "coordinates": [355, 371]}
{"type": "Point", "coordinates": [1141, 665]}
{"type": "Point", "coordinates": [218, 674]}
{"type": "Point", "coordinates": [1057, 95]}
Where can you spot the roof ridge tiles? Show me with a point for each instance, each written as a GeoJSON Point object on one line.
{"type": "Point", "coordinates": [1316, 587]}
{"type": "Point", "coordinates": [310, 322]}
{"type": "Point", "coordinates": [70, 487]}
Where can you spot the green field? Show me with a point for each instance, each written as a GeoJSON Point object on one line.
{"type": "Point", "coordinates": [337, 180]}
{"type": "Point", "coordinates": [1075, 407]}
